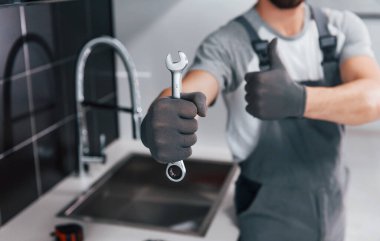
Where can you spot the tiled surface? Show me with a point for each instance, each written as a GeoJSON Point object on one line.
{"type": "Point", "coordinates": [108, 121]}
{"type": "Point", "coordinates": [14, 118]}
{"type": "Point", "coordinates": [11, 51]}
{"type": "Point", "coordinates": [18, 185]}
{"type": "Point", "coordinates": [63, 34]}
{"type": "Point", "coordinates": [12, 2]}
{"type": "Point", "coordinates": [70, 20]}
{"type": "Point", "coordinates": [102, 122]}
{"type": "Point", "coordinates": [56, 153]}
{"type": "Point", "coordinates": [100, 86]}
{"type": "Point", "coordinates": [99, 78]}
{"type": "Point", "coordinates": [67, 73]}
{"type": "Point", "coordinates": [51, 99]}
{"type": "Point", "coordinates": [98, 26]}
{"type": "Point", "coordinates": [39, 45]}
{"type": "Point", "coordinates": [6, 1]}
{"type": "Point", "coordinates": [40, 40]}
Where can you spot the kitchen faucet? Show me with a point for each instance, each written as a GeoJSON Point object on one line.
{"type": "Point", "coordinates": [83, 149]}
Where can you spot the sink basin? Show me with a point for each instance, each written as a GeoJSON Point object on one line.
{"type": "Point", "coordinates": [137, 193]}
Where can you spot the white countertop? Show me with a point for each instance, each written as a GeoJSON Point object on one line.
{"type": "Point", "coordinates": [360, 151]}
{"type": "Point", "coordinates": [37, 221]}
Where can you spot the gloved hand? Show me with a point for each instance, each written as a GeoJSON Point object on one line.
{"type": "Point", "coordinates": [273, 94]}
{"type": "Point", "coordinates": [169, 127]}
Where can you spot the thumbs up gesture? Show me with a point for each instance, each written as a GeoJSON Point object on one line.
{"type": "Point", "coordinates": [272, 94]}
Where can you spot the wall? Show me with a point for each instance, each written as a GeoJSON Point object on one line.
{"type": "Point", "coordinates": [38, 50]}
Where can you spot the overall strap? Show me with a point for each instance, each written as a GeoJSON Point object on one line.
{"type": "Point", "coordinates": [259, 46]}
{"type": "Point", "coordinates": [327, 41]}
{"type": "Point", "coordinates": [328, 46]}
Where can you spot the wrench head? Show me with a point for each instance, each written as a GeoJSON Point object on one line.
{"type": "Point", "coordinates": [177, 66]}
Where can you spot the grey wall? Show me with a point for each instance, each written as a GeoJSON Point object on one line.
{"type": "Point", "coordinates": [361, 6]}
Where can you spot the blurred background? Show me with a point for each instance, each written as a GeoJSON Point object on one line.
{"type": "Point", "coordinates": [39, 44]}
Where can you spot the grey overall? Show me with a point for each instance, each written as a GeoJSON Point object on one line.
{"type": "Point", "coordinates": [292, 185]}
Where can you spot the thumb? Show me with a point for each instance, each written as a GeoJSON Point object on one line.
{"type": "Point", "coordinates": [274, 59]}
{"type": "Point", "coordinates": [199, 100]}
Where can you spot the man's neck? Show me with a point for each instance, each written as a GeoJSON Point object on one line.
{"type": "Point", "coordinates": [288, 22]}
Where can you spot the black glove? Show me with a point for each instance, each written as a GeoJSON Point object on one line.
{"type": "Point", "coordinates": [273, 94]}
{"type": "Point", "coordinates": [169, 127]}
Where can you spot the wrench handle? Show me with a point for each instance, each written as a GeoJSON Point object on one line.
{"type": "Point", "coordinates": [176, 171]}
{"type": "Point", "coordinates": [176, 84]}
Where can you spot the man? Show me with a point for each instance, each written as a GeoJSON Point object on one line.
{"type": "Point", "coordinates": [287, 101]}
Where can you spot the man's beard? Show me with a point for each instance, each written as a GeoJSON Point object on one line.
{"type": "Point", "coordinates": [286, 4]}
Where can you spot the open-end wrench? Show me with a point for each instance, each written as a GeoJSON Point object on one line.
{"type": "Point", "coordinates": [176, 171]}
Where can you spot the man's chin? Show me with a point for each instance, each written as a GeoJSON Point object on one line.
{"type": "Point", "coordinates": [286, 4]}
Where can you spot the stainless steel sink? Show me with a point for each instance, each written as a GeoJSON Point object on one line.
{"type": "Point", "coordinates": [137, 193]}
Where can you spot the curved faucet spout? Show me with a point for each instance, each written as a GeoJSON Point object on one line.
{"type": "Point", "coordinates": [135, 110]}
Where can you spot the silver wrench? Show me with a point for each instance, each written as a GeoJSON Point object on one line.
{"type": "Point", "coordinates": [176, 171]}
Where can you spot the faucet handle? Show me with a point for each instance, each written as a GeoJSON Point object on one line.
{"type": "Point", "coordinates": [102, 141]}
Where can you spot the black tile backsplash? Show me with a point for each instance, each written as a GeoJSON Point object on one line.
{"type": "Point", "coordinates": [17, 101]}
{"type": "Point", "coordinates": [100, 86]}
{"type": "Point", "coordinates": [14, 2]}
{"type": "Point", "coordinates": [51, 97]}
{"type": "Point", "coordinates": [99, 74]}
{"type": "Point", "coordinates": [11, 49]}
{"type": "Point", "coordinates": [18, 183]}
{"type": "Point", "coordinates": [40, 40]}
{"type": "Point", "coordinates": [102, 122]}
{"type": "Point", "coordinates": [7, 1]}
{"type": "Point", "coordinates": [15, 125]}
{"type": "Point", "coordinates": [71, 20]}
{"type": "Point", "coordinates": [64, 33]}
{"type": "Point", "coordinates": [108, 121]}
{"type": "Point", "coordinates": [38, 137]}
{"type": "Point", "coordinates": [56, 152]}
{"type": "Point", "coordinates": [98, 26]}
{"type": "Point", "coordinates": [66, 71]}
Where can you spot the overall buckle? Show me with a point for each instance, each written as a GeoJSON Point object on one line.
{"type": "Point", "coordinates": [328, 45]}
{"type": "Point", "coordinates": [261, 49]}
